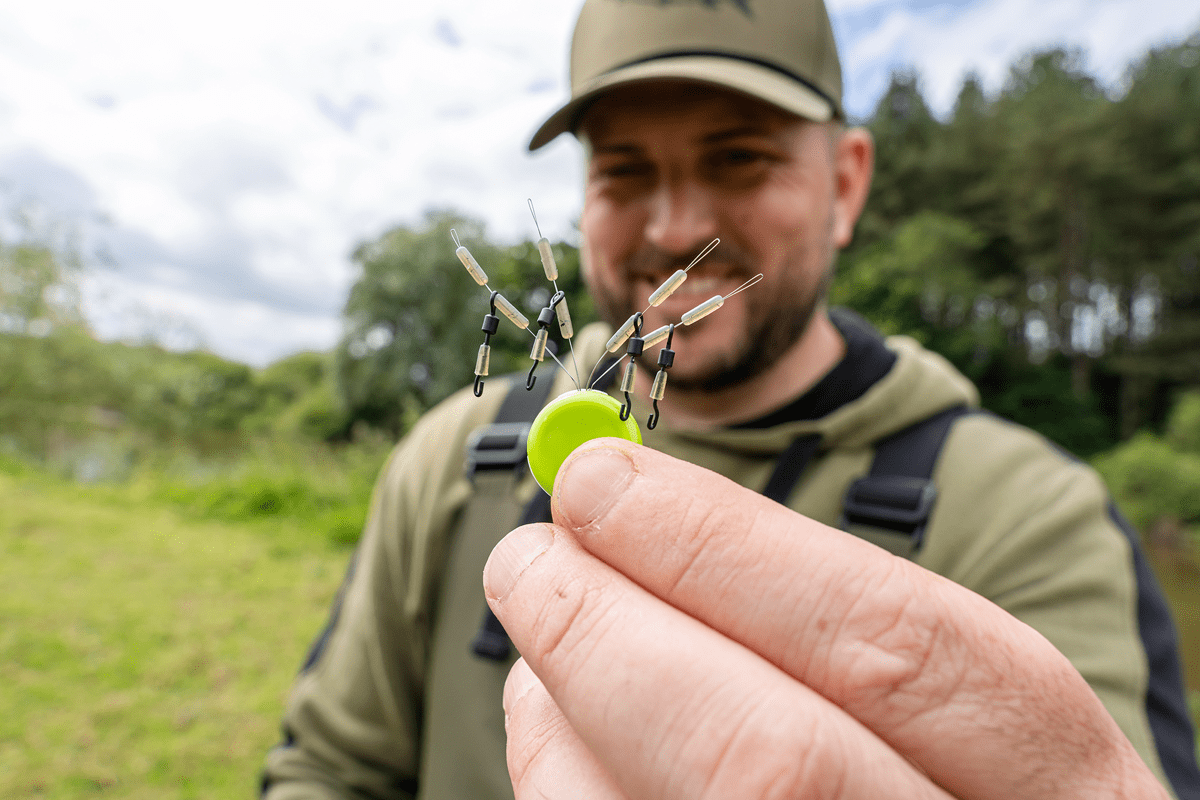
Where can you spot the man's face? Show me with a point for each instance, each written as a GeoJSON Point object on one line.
{"type": "Point", "coordinates": [674, 165]}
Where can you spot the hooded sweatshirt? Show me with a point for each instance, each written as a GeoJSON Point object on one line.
{"type": "Point", "coordinates": [392, 702]}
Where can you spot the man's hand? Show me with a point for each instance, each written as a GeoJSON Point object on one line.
{"type": "Point", "coordinates": [685, 637]}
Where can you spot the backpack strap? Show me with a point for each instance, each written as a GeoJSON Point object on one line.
{"type": "Point", "coordinates": [492, 642]}
{"type": "Point", "coordinates": [501, 445]}
{"type": "Point", "coordinates": [495, 452]}
{"type": "Point", "coordinates": [890, 506]}
{"type": "Point", "coordinates": [790, 466]}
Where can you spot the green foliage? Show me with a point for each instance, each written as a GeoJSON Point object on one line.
{"type": "Point", "coordinates": [1156, 477]}
{"type": "Point", "coordinates": [1041, 397]}
{"type": "Point", "coordinates": [65, 389]}
{"type": "Point", "coordinates": [1183, 425]}
{"type": "Point", "coordinates": [298, 396]}
{"type": "Point", "coordinates": [320, 487]}
{"type": "Point", "coordinates": [38, 289]}
{"type": "Point", "coordinates": [928, 279]}
{"type": "Point", "coordinates": [917, 279]}
{"type": "Point", "coordinates": [1151, 480]}
{"type": "Point", "coordinates": [1067, 222]}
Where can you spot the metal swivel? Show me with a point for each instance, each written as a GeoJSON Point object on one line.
{"type": "Point", "coordinates": [634, 349]}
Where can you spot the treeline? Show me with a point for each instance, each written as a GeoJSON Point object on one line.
{"type": "Point", "coordinates": [1045, 239]}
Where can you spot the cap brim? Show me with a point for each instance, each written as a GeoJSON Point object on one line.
{"type": "Point", "coordinates": [747, 77]}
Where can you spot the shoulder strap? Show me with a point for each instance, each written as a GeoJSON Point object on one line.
{"type": "Point", "coordinates": [497, 448]}
{"type": "Point", "coordinates": [790, 466]}
{"type": "Point", "coordinates": [891, 505]}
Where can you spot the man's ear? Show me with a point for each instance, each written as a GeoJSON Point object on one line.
{"type": "Point", "coordinates": [853, 166]}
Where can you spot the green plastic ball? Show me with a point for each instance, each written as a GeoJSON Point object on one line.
{"type": "Point", "coordinates": [567, 422]}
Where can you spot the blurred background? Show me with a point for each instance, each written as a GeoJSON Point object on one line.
{"type": "Point", "coordinates": [227, 286]}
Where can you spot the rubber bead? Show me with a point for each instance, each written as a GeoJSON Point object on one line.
{"type": "Point", "coordinates": [703, 310]}
{"type": "Point", "coordinates": [655, 336]}
{"type": "Point", "coordinates": [509, 310]}
{"type": "Point", "coordinates": [668, 288]}
{"type": "Point", "coordinates": [538, 353]}
{"type": "Point", "coordinates": [659, 388]}
{"type": "Point", "coordinates": [569, 421]}
{"type": "Point", "coordinates": [468, 261]}
{"type": "Point", "coordinates": [623, 333]}
{"type": "Point", "coordinates": [564, 319]}
{"type": "Point", "coordinates": [548, 259]}
{"type": "Point", "coordinates": [630, 376]}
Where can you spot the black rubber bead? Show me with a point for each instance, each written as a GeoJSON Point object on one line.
{"type": "Point", "coordinates": [491, 323]}
{"type": "Point", "coordinates": [636, 344]}
{"type": "Point", "coordinates": [666, 358]}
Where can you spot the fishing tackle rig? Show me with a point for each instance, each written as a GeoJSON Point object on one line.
{"type": "Point", "coordinates": [585, 413]}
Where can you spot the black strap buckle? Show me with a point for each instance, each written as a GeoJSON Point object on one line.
{"type": "Point", "coordinates": [896, 504]}
{"type": "Point", "coordinates": [500, 445]}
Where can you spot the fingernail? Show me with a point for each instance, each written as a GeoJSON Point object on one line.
{"type": "Point", "coordinates": [512, 556]}
{"type": "Point", "coordinates": [592, 483]}
{"type": "Point", "coordinates": [520, 680]}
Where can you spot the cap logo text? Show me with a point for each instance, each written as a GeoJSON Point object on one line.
{"type": "Point", "coordinates": [741, 5]}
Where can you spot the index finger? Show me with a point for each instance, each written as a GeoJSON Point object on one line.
{"type": "Point", "coordinates": [980, 701]}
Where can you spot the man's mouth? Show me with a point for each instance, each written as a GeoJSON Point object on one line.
{"type": "Point", "coordinates": [695, 289]}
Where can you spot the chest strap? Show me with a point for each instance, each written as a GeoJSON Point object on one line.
{"type": "Point", "coordinates": [890, 506]}
{"type": "Point", "coordinates": [501, 445]}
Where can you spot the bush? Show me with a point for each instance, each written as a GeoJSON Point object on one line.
{"type": "Point", "coordinates": [1183, 424]}
{"type": "Point", "coordinates": [1151, 480]}
{"type": "Point", "coordinates": [322, 487]}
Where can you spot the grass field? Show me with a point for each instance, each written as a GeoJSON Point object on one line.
{"type": "Point", "coordinates": [145, 653]}
{"type": "Point", "coordinates": [146, 646]}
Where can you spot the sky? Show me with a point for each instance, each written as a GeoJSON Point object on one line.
{"type": "Point", "coordinates": [214, 165]}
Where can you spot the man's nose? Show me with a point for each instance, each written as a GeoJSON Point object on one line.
{"type": "Point", "coordinates": [682, 217]}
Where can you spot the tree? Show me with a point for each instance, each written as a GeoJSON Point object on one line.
{"type": "Point", "coordinates": [38, 291]}
{"type": "Point", "coordinates": [1151, 217]}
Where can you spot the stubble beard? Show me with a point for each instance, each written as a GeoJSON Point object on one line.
{"type": "Point", "coordinates": [776, 318]}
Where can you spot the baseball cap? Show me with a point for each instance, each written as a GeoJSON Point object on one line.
{"type": "Point", "coordinates": [779, 51]}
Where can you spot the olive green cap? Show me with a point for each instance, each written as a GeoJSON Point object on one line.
{"type": "Point", "coordinates": [779, 51]}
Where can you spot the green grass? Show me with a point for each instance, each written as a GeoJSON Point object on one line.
{"type": "Point", "coordinates": [149, 630]}
{"type": "Point", "coordinates": [145, 652]}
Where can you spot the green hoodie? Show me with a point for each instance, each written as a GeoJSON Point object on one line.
{"type": "Point", "coordinates": [393, 704]}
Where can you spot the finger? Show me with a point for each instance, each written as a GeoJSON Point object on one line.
{"type": "Point", "coordinates": [546, 758]}
{"type": "Point", "coordinates": [671, 708]}
{"type": "Point", "coordinates": [934, 669]}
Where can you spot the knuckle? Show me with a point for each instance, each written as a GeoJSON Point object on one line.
{"type": "Point", "coordinates": [895, 653]}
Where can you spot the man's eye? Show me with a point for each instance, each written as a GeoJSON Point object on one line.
{"type": "Point", "coordinates": [626, 169]}
{"type": "Point", "coordinates": [737, 157]}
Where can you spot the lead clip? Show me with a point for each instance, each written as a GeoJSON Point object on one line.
{"type": "Point", "coordinates": [490, 324]}
{"type": "Point", "coordinates": [538, 353]}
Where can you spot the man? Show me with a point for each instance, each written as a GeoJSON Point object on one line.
{"type": "Point", "coordinates": [681, 634]}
